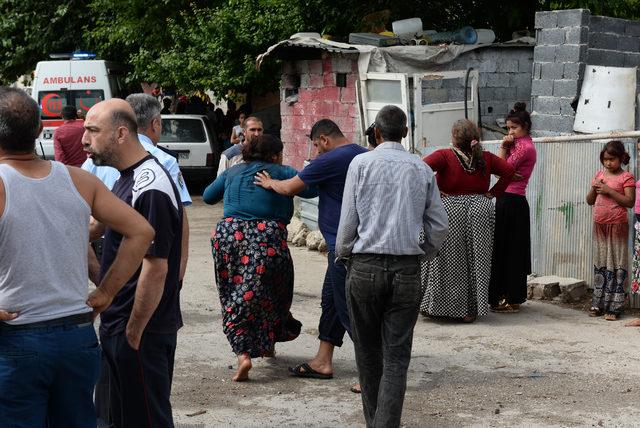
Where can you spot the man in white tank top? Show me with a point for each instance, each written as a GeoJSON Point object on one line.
{"type": "Point", "coordinates": [50, 354]}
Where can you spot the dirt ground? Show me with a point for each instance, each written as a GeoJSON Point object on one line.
{"type": "Point", "coordinates": [545, 366]}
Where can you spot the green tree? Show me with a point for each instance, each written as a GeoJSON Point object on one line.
{"type": "Point", "coordinates": [31, 30]}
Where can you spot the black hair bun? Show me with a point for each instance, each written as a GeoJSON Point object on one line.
{"type": "Point", "coordinates": [519, 106]}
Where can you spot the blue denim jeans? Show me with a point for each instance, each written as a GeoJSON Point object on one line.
{"type": "Point", "coordinates": [384, 297]}
{"type": "Point", "coordinates": [47, 376]}
{"type": "Point", "coordinates": [334, 320]}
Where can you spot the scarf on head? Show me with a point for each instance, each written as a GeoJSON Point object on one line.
{"type": "Point", "coordinates": [465, 160]}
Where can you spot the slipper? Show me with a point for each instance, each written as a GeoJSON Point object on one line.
{"type": "Point", "coordinates": [507, 308]}
{"type": "Point", "coordinates": [305, 370]}
{"type": "Point", "coordinates": [611, 316]}
{"type": "Point", "coordinates": [595, 312]}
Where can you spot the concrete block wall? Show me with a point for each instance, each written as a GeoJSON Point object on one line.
{"type": "Point", "coordinates": [504, 78]}
{"type": "Point", "coordinates": [568, 40]}
{"type": "Point", "coordinates": [318, 98]}
{"type": "Point", "coordinates": [560, 56]}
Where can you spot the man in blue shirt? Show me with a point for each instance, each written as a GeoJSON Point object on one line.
{"type": "Point", "coordinates": [328, 173]}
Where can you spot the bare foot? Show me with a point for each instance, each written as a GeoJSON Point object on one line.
{"type": "Point", "coordinates": [244, 365]}
{"type": "Point", "coordinates": [633, 323]}
{"type": "Point", "coordinates": [321, 366]}
{"type": "Point", "coordinates": [356, 388]}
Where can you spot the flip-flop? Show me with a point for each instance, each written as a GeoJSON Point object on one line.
{"type": "Point", "coordinates": [305, 370]}
{"type": "Point", "coordinates": [356, 389]}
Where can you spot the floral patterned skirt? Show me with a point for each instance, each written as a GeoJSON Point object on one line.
{"type": "Point", "coordinates": [610, 266]}
{"type": "Point", "coordinates": [254, 275]}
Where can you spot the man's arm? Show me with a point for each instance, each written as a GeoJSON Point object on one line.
{"type": "Point", "coordinates": [94, 267]}
{"type": "Point", "coordinates": [289, 187]}
{"type": "Point", "coordinates": [136, 233]}
{"type": "Point", "coordinates": [435, 220]}
{"type": "Point", "coordinates": [349, 219]}
{"type": "Point", "coordinates": [148, 295]}
{"type": "Point", "coordinates": [184, 250]}
{"type": "Point", "coordinates": [58, 152]}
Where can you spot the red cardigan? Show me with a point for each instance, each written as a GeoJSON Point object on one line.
{"type": "Point", "coordinates": [454, 180]}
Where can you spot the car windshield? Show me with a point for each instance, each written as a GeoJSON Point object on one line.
{"type": "Point", "coordinates": [182, 131]}
{"type": "Point", "coordinates": [52, 102]}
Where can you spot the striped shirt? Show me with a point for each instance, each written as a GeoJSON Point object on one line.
{"type": "Point", "coordinates": [389, 196]}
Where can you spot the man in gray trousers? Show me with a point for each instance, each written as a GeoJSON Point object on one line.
{"type": "Point", "coordinates": [389, 196]}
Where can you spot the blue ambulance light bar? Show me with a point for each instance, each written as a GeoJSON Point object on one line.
{"type": "Point", "coordinates": [73, 55]}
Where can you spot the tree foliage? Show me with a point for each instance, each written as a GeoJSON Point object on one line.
{"type": "Point", "coordinates": [212, 44]}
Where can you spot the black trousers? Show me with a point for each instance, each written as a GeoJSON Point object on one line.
{"type": "Point", "coordinates": [140, 381]}
{"type": "Point", "coordinates": [511, 261]}
{"type": "Point", "coordinates": [383, 297]}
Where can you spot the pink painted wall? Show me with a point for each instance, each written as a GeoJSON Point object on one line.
{"type": "Point", "coordinates": [318, 98]}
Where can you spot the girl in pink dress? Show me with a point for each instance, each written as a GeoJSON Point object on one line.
{"type": "Point", "coordinates": [512, 239]}
{"type": "Point", "coordinates": [611, 194]}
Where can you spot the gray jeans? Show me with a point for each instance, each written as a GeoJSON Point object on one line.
{"type": "Point", "coordinates": [383, 297]}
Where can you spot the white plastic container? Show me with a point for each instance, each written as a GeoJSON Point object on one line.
{"type": "Point", "coordinates": [407, 28]}
{"type": "Point", "coordinates": [485, 36]}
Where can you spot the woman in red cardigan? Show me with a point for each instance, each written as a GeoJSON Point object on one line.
{"type": "Point", "coordinates": [456, 282]}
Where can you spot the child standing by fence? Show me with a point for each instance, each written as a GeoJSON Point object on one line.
{"type": "Point", "coordinates": [611, 194]}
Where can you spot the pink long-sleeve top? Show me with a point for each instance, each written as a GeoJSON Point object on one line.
{"type": "Point", "coordinates": [521, 156]}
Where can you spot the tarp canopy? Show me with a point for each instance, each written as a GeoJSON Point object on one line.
{"type": "Point", "coordinates": [394, 59]}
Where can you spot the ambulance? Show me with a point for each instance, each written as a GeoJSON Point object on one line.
{"type": "Point", "coordinates": [74, 79]}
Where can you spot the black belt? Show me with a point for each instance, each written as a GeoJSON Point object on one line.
{"type": "Point", "coordinates": [69, 320]}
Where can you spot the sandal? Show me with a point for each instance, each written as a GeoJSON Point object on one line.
{"type": "Point", "coordinates": [594, 312]}
{"type": "Point", "coordinates": [305, 370]}
{"type": "Point", "coordinates": [507, 308]}
{"type": "Point", "coordinates": [611, 316]}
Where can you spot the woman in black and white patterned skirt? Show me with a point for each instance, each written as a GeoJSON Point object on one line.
{"type": "Point", "coordinates": [456, 282]}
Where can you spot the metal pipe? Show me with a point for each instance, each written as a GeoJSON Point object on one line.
{"type": "Point", "coordinates": [578, 137]}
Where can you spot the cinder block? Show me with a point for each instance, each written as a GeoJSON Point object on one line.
{"type": "Point", "coordinates": [508, 65]}
{"type": "Point", "coordinates": [341, 65]}
{"type": "Point", "coordinates": [486, 94]}
{"type": "Point", "coordinates": [327, 64]}
{"type": "Point", "coordinates": [571, 53]}
{"type": "Point", "coordinates": [605, 24]}
{"type": "Point", "coordinates": [523, 93]}
{"type": "Point", "coordinates": [546, 19]}
{"type": "Point", "coordinates": [305, 80]}
{"type": "Point", "coordinates": [606, 57]}
{"type": "Point", "coordinates": [542, 88]}
{"type": "Point", "coordinates": [497, 80]}
{"type": "Point", "coordinates": [547, 105]}
{"type": "Point", "coordinates": [632, 59]}
{"type": "Point", "coordinates": [573, 17]}
{"type": "Point", "coordinates": [603, 41]}
{"type": "Point", "coordinates": [573, 70]}
{"type": "Point", "coordinates": [488, 66]}
{"type": "Point", "coordinates": [551, 36]}
{"type": "Point", "coordinates": [629, 44]}
{"type": "Point", "coordinates": [632, 28]}
{"type": "Point", "coordinates": [577, 35]}
{"type": "Point", "coordinates": [519, 79]}
{"type": "Point", "coordinates": [566, 109]}
{"type": "Point", "coordinates": [315, 66]}
{"type": "Point", "coordinates": [544, 53]}
{"type": "Point", "coordinates": [316, 80]}
{"type": "Point", "coordinates": [348, 95]}
{"type": "Point", "coordinates": [288, 67]}
{"type": "Point", "coordinates": [302, 66]}
{"type": "Point", "coordinates": [552, 123]}
{"type": "Point", "coordinates": [329, 79]}
{"type": "Point", "coordinates": [552, 70]}
{"type": "Point", "coordinates": [565, 88]}
{"type": "Point", "coordinates": [525, 65]}
{"type": "Point", "coordinates": [537, 70]}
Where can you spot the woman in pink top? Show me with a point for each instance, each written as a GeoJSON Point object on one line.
{"type": "Point", "coordinates": [611, 194]}
{"type": "Point", "coordinates": [511, 261]}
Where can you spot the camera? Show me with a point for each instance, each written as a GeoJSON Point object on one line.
{"type": "Point", "coordinates": [371, 135]}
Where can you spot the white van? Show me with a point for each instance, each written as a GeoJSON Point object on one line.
{"type": "Point", "coordinates": [76, 82]}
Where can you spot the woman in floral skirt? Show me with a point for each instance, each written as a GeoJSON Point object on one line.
{"type": "Point", "coordinates": [253, 267]}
